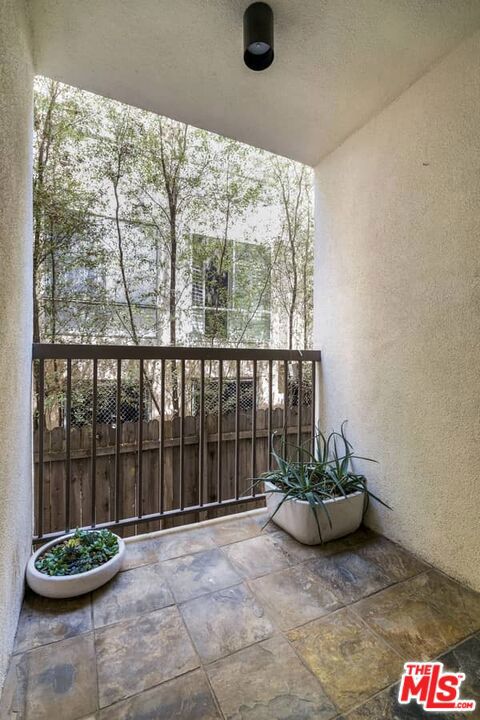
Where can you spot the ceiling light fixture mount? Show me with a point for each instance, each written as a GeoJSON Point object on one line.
{"type": "Point", "coordinates": [258, 36]}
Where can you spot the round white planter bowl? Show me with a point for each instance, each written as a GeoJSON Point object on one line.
{"type": "Point", "coordinates": [296, 516]}
{"type": "Point", "coordinates": [72, 585]}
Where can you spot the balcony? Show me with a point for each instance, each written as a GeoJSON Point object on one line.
{"type": "Point", "coordinates": [228, 619]}
{"type": "Point", "coordinates": [214, 615]}
{"type": "Point", "coordinates": [223, 617]}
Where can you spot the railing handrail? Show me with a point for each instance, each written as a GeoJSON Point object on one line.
{"type": "Point", "coordinates": [126, 491]}
{"type": "Point", "coordinates": [72, 351]}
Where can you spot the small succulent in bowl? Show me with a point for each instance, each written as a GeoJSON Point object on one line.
{"type": "Point", "coordinates": [83, 551]}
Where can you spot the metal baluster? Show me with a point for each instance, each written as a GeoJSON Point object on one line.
{"type": "Point", "coordinates": [300, 401]}
{"type": "Point", "coordinates": [201, 439]}
{"type": "Point", "coordinates": [93, 467]}
{"type": "Point", "coordinates": [313, 409]}
{"type": "Point", "coordinates": [182, 439]}
{"type": "Point", "coordinates": [219, 431]}
{"type": "Point", "coordinates": [270, 408]}
{"type": "Point", "coordinates": [68, 464]}
{"type": "Point", "coordinates": [161, 430]}
{"type": "Point", "coordinates": [140, 442]}
{"type": "Point", "coordinates": [118, 440]}
{"type": "Point", "coordinates": [285, 406]}
{"type": "Point", "coordinates": [41, 424]}
{"type": "Point", "coordinates": [237, 429]}
{"type": "Point", "coordinates": [254, 425]}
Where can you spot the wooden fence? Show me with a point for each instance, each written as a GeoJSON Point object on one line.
{"type": "Point", "coordinates": [87, 507]}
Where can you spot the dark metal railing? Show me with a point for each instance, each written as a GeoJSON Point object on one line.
{"type": "Point", "coordinates": [59, 369]}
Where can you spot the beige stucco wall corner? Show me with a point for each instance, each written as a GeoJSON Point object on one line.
{"type": "Point", "coordinates": [16, 81]}
{"type": "Point", "coordinates": [397, 309]}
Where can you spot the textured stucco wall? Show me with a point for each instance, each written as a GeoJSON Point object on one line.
{"type": "Point", "coordinates": [397, 308]}
{"type": "Point", "coordinates": [337, 62]}
{"type": "Point", "coordinates": [15, 315]}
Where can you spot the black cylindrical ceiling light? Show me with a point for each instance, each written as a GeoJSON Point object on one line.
{"type": "Point", "coordinates": [258, 36]}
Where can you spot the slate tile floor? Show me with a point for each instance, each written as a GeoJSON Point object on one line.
{"type": "Point", "coordinates": [227, 620]}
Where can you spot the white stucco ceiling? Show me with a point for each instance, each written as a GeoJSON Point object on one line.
{"type": "Point", "coordinates": [338, 62]}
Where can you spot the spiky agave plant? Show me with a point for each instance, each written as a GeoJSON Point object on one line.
{"type": "Point", "coordinates": [316, 478]}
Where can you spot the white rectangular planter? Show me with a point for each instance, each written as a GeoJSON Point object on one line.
{"type": "Point", "coordinates": [297, 518]}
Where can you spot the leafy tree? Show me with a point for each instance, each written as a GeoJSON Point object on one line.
{"type": "Point", "coordinates": [293, 267]}
{"type": "Point", "coordinates": [62, 206]}
{"type": "Point", "coordinates": [168, 181]}
{"type": "Point", "coordinates": [121, 198]}
{"type": "Point", "coordinates": [233, 193]}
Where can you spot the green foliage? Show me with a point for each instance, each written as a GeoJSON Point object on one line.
{"type": "Point", "coordinates": [119, 194]}
{"type": "Point", "coordinates": [85, 550]}
{"type": "Point", "coordinates": [65, 229]}
{"type": "Point", "coordinates": [317, 478]}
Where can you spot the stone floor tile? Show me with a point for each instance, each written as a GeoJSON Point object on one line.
{"type": "Point", "coordinates": [465, 658]}
{"type": "Point", "coordinates": [424, 615]}
{"type": "Point", "coordinates": [267, 525]}
{"type": "Point", "coordinates": [294, 551]}
{"type": "Point", "coordinates": [199, 574]}
{"type": "Point", "coordinates": [231, 531]}
{"type": "Point", "coordinates": [396, 562]}
{"type": "Point", "coordinates": [267, 681]}
{"type": "Point", "coordinates": [131, 594]}
{"type": "Point", "coordinates": [257, 556]}
{"type": "Point", "coordinates": [294, 596]}
{"type": "Point", "coordinates": [225, 621]}
{"type": "Point", "coordinates": [385, 706]}
{"type": "Point", "coordinates": [13, 694]}
{"type": "Point", "coordinates": [52, 681]}
{"type": "Point", "coordinates": [185, 698]}
{"type": "Point", "coordinates": [135, 655]}
{"type": "Point", "coordinates": [350, 661]}
{"type": "Point", "coordinates": [360, 536]}
{"type": "Point", "coordinates": [349, 575]}
{"type": "Point", "coordinates": [140, 552]}
{"type": "Point", "coordinates": [43, 620]}
{"type": "Point", "coordinates": [165, 547]}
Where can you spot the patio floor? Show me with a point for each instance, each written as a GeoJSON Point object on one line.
{"type": "Point", "coordinates": [227, 620]}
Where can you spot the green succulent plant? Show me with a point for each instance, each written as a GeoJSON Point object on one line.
{"type": "Point", "coordinates": [85, 550]}
{"type": "Point", "coordinates": [317, 477]}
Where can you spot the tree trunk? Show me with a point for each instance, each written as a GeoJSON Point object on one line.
{"type": "Point", "coordinates": [53, 299]}
{"type": "Point", "coordinates": [42, 160]}
{"type": "Point", "coordinates": [173, 304]}
{"type": "Point", "coordinates": [305, 307]}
